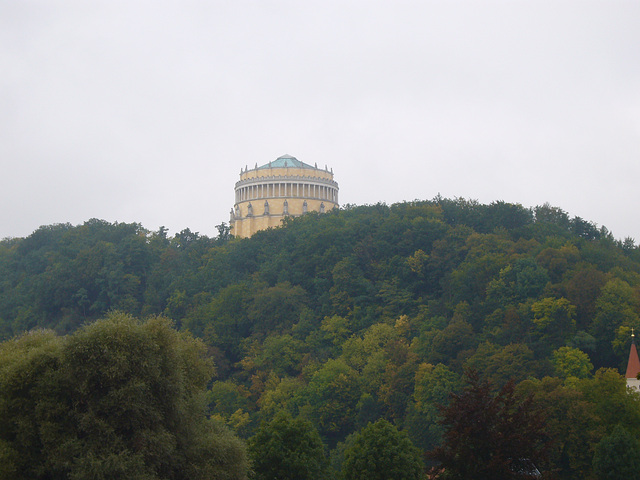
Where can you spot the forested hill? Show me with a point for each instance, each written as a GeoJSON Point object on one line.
{"type": "Point", "coordinates": [377, 302]}
{"type": "Point", "coordinates": [496, 273]}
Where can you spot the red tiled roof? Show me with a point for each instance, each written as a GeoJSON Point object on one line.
{"type": "Point", "coordinates": [633, 367]}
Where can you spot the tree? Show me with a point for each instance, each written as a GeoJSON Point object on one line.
{"type": "Point", "coordinates": [287, 448]}
{"type": "Point", "coordinates": [617, 457]}
{"type": "Point", "coordinates": [380, 452]}
{"type": "Point", "coordinates": [118, 399]}
{"type": "Point", "coordinates": [571, 422]}
{"type": "Point", "coordinates": [558, 260]}
{"type": "Point", "coordinates": [501, 364]}
{"type": "Point", "coordinates": [448, 343]}
{"type": "Point", "coordinates": [332, 394]}
{"type": "Point", "coordinates": [571, 362]}
{"type": "Point", "coordinates": [488, 437]}
{"type": "Point", "coordinates": [617, 305]}
{"type": "Point", "coordinates": [224, 232]}
{"type": "Point", "coordinates": [280, 354]}
{"type": "Point", "coordinates": [433, 386]}
{"type": "Point", "coordinates": [554, 321]}
{"type": "Point", "coordinates": [277, 307]}
{"type": "Point", "coordinates": [614, 403]}
{"type": "Point", "coordinates": [583, 290]}
{"type": "Point", "coordinates": [517, 282]}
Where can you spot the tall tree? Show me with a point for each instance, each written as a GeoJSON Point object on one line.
{"type": "Point", "coordinates": [118, 399]}
{"type": "Point", "coordinates": [617, 456]}
{"type": "Point", "coordinates": [379, 452]}
{"type": "Point", "coordinates": [489, 436]}
{"type": "Point", "coordinates": [571, 422]}
{"type": "Point", "coordinates": [287, 449]}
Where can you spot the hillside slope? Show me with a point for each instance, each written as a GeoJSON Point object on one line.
{"type": "Point", "coordinates": [367, 312]}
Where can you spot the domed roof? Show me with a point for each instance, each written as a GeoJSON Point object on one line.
{"type": "Point", "coordinates": [286, 161]}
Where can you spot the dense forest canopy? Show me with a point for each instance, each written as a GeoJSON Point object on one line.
{"type": "Point", "coordinates": [365, 313]}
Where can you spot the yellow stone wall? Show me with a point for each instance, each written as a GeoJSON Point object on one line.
{"type": "Point", "coordinates": [289, 171]}
{"type": "Point", "coordinates": [275, 185]}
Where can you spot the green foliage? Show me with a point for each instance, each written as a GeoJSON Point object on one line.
{"type": "Point", "coordinates": [433, 388]}
{"type": "Point", "coordinates": [456, 338]}
{"type": "Point", "coordinates": [518, 282]}
{"type": "Point", "coordinates": [283, 394]}
{"type": "Point", "coordinates": [571, 362]}
{"type": "Point", "coordinates": [616, 306]}
{"type": "Point", "coordinates": [363, 313]}
{"type": "Point", "coordinates": [617, 456]}
{"type": "Point", "coordinates": [277, 307]}
{"type": "Point", "coordinates": [583, 289]}
{"type": "Point", "coordinates": [571, 423]}
{"type": "Point", "coordinates": [287, 449]}
{"type": "Point", "coordinates": [614, 404]}
{"type": "Point", "coordinates": [379, 452]}
{"type": "Point", "coordinates": [116, 399]}
{"type": "Point", "coordinates": [554, 322]}
{"type": "Point", "coordinates": [281, 354]}
{"type": "Point", "coordinates": [557, 261]}
{"type": "Point", "coordinates": [230, 404]}
{"type": "Point", "coordinates": [333, 393]}
{"type": "Point", "coordinates": [498, 364]}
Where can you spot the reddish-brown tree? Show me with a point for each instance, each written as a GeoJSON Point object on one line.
{"type": "Point", "coordinates": [490, 436]}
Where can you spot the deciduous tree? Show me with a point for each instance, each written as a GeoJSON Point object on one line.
{"type": "Point", "coordinates": [381, 452]}
{"type": "Point", "coordinates": [617, 456]}
{"type": "Point", "coordinates": [118, 399]}
{"type": "Point", "coordinates": [488, 436]}
{"type": "Point", "coordinates": [287, 449]}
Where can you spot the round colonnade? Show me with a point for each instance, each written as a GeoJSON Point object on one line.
{"type": "Point", "coordinates": [284, 187]}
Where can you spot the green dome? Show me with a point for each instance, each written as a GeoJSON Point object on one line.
{"type": "Point", "coordinates": [286, 161]}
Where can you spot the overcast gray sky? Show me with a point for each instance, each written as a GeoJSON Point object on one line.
{"type": "Point", "coordinates": [145, 111]}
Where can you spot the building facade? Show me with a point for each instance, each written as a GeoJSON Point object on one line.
{"type": "Point", "coordinates": [265, 195]}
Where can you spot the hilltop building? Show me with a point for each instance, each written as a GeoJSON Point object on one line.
{"type": "Point", "coordinates": [633, 366]}
{"type": "Point", "coordinates": [284, 187]}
